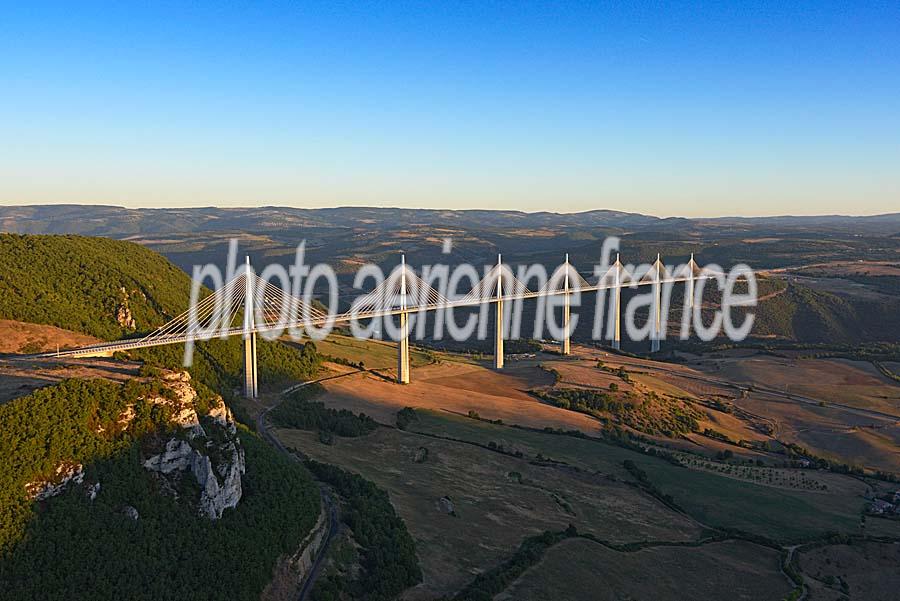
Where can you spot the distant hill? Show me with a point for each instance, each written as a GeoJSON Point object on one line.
{"type": "Point", "coordinates": [120, 222]}
{"type": "Point", "coordinates": [808, 315]}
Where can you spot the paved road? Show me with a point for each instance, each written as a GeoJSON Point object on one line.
{"type": "Point", "coordinates": [329, 503]}
{"type": "Point", "coordinates": [333, 529]}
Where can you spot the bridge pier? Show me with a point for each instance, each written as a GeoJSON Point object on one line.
{"type": "Point", "coordinates": [498, 337]}
{"type": "Point", "coordinates": [251, 381]}
{"type": "Point", "coordinates": [690, 283]}
{"type": "Point", "coordinates": [617, 302]}
{"type": "Point", "coordinates": [656, 309]}
{"type": "Point", "coordinates": [403, 350]}
{"type": "Point", "coordinates": [565, 346]}
{"type": "Point", "coordinates": [403, 342]}
{"type": "Point", "coordinates": [498, 327]}
{"type": "Point", "coordinates": [251, 387]}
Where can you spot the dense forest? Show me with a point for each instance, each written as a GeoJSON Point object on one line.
{"type": "Point", "coordinates": [79, 284]}
{"type": "Point", "coordinates": [387, 551]}
{"type": "Point", "coordinates": [298, 411]}
{"type": "Point", "coordinates": [169, 552]}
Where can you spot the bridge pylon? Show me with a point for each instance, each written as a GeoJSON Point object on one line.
{"type": "Point", "coordinates": [617, 302]}
{"type": "Point", "coordinates": [565, 345]}
{"type": "Point", "coordinates": [251, 380]}
{"type": "Point", "coordinates": [656, 308]}
{"type": "Point", "coordinates": [403, 342]}
{"type": "Point", "coordinates": [498, 327]}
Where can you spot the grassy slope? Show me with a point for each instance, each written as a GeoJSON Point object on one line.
{"type": "Point", "coordinates": [733, 570]}
{"type": "Point", "coordinates": [780, 514]}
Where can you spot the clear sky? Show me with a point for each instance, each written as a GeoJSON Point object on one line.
{"type": "Point", "coordinates": [720, 109]}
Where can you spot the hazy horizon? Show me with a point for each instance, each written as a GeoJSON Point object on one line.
{"type": "Point", "coordinates": [443, 208]}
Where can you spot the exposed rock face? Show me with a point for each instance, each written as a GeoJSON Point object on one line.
{"type": "Point", "coordinates": [292, 572]}
{"type": "Point", "coordinates": [182, 399]}
{"type": "Point", "coordinates": [219, 480]}
{"type": "Point", "coordinates": [92, 490]}
{"type": "Point", "coordinates": [211, 452]}
{"type": "Point", "coordinates": [221, 484]}
{"type": "Point", "coordinates": [177, 457]}
{"type": "Point", "coordinates": [123, 312]}
{"type": "Point", "coordinates": [184, 412]}
{"type": "Point", "coordinates": [131, 513]}
{"type": "Point", "coordinates": [66, 473]}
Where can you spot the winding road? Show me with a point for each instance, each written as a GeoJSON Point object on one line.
{"type": "Point", "coordinates": [327, 500]}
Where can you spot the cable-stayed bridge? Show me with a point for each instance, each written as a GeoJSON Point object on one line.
{"type": "Point", "coordinates": [249, 305]}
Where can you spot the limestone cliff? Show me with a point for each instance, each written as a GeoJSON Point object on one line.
{"type": "Point", "coordinates": [203, 447]}
{"type": "Point", "coordinates": [210, 451]}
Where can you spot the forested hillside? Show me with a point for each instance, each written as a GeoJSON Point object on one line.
{"type": "Point", "coordinates": [804, 314]}
{"type": "Point", "coordinates": [90, 285]}
{"type": "Point", "coordinates": [80, 512]}
{"type": "Point", "coordinates": [86, 284]}
{"type": "Point", "coordinates": [74, 546]}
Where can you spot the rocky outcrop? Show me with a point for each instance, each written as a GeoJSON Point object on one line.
{"type": "Point", "coordinates": [210, 452]}
{"type": "Point", "coordinates": [214, 458]}
{"type": "Point", "coordinates": [177, 457]}
{"type": "Point", "coordinates": [445, 504]}
{"type": "Point", "coordinates": [66, 473]}
{"type": "Point", "coordinates": [221, 484]}
{"type": "Point", "coordinates": [123, 312]}
{"type": "Point", "coordinates": [92, 490]}
{"type": "Point", "coordinates": [181, 397]}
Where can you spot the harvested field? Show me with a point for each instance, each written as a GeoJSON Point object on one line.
{"type": "Point", "coordinates": [460, 388]}
{"type": "Point", "coordinates": [28, 338]}
{"type": "Point", "coordinates": [868, 569]}
{"type": "Point", "coordinates": [497, 499]}
{"type": "Point", "coordinates": [581, 570]}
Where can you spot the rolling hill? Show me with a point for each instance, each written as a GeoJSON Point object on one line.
{"type": "Point", "coordinates": [140, 486]}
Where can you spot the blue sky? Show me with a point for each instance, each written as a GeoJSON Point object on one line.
{"type": "Point", "coordinates": [690, 109]}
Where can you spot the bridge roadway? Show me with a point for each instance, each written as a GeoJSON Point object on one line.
{"type": "Point", "coordinates": [107, 348]}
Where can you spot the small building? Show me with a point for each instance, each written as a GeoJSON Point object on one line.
{"type": "Point", "coordinates": [880, 507]}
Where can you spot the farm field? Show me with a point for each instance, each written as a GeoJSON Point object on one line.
{"type": "Point", "coordinates": [777, 513]}
{"type": "Point", "coordinates": [713, 499]}
{"type": "Point", "coordinates": [20, 377]}
{"type": "Point", "coordinates": [497, 500]}
{"type": "Point", "coordinates": [458, 387]}
{"type": "Point", "coordinates": [582, 570]}
{"type": "Point", "coordinates": [833, 432]}
{"type": "Point", "coordinates": [373, 353]}
{"type": "Point", "coordinates": [868, 570]}
{"type": "Point", "coordinates": [853, 383]}
{"type": "Point", "coordinates": [846, 434]}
